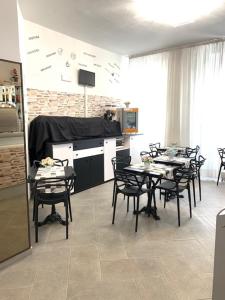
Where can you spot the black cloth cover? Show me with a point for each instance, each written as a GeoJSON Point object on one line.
{"type": "Point", "coordinates": [44, 129]}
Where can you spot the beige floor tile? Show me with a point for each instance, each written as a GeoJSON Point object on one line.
{"type": "Point", "coordinates": [49, 290]}
{"type": "Point", "coordinates": [15, 294]}
{"type": "Point", "coordinates": [89, 270]}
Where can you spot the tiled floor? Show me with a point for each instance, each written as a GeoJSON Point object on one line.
{"type": "Point", "coordinates": [105, 261]}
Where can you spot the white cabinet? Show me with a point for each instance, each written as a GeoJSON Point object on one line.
{"type": "Point", "coordinates": [63, 151]}
{"type": "Point", "coordinates": [109, 153]}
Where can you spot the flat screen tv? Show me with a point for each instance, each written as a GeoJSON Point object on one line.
{"type": "Point", "coordinates": [86, 78]}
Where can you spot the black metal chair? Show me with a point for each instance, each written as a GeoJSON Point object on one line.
{"type": "Point", "coordinates": [191, 152]}
{"type": "Point", "coordinates": [221, 152]}
{"type": "Point", "coordinates": [154, 150]}
{"type": "Point", "coordinates": [51, 191]}
{"type": "Point", "coordinates": [129, 185]}
{"type": "Point", "coordinates": [118, 163]}
{"type": "Point", "coordinates": [179, 183]}
{"type": "Point", "coordinates": [57, 162]}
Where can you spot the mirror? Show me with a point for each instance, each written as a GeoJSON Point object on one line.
{"type": "Point", "coordinates": [14, 225]}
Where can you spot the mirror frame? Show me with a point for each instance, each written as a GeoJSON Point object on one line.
{"type": "Point", "coordinates": [25, 164]}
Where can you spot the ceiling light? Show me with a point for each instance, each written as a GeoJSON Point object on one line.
{"type": "Point", "coordinates": [175, 12]}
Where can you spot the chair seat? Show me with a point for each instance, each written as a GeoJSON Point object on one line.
{"type": "Point", "coordinates": [132, 191]}
{"type": "Point", "coordinates": [170, 185]}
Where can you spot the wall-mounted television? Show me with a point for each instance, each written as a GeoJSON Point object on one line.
{"type": "Point", "coordinates": [86, 78]}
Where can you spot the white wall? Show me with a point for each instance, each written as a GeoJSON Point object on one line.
{"type": "Point", "coordinates": [9, 31]}
{"type": "Point", "coordinates": [50, 69]}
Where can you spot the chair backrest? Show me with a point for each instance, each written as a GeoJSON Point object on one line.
{"type": "Point", "coordinates": [221, 152]}
{"type": "Point", "coordinates": [129, 179]}
{"type": "Point", "coordinates": [192, 152]}
{"type": "Point", "coordinates": [182, 175]}
{"type": "Point", "coordinates": [154, 152]}
{"type": "Point", "coordinates": [60, 162]}
{"type": "Point", "coordinates": [120, 162]}
{"type": "Point", "coordinates": [51, 185]}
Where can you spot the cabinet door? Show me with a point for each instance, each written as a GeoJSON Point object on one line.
{"type": "Point", "coordinates": [136, 146]}
{"type": "Point", "coordinates": [109, 153]}
{"type": "Point", "coordinates": [63, 151]}
{"type": "Point", "coordinates": [82, 169]}
{"type": "Point", "coordinates": [96, 169]}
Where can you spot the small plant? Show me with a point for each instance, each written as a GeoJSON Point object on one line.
{"type": "Point", "coordinates": [147, 159]}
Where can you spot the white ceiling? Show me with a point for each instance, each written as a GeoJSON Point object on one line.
{"type": "Point", "coordinates": [112, 25]}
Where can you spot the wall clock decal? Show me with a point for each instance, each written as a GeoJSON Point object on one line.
{"type": "Point", "coordinates": [60, 51]}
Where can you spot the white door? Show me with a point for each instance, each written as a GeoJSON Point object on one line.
{"type": "Point", "coordinates": [63, 151]}
{"type": "Point", "coordinates": [109, 153]}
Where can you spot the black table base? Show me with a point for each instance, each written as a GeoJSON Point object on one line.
{"type": "Point", "coordinates": [52, 218]}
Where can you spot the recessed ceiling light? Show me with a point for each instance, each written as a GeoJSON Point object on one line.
{"type": "Point", "coordinates": [175, 12]}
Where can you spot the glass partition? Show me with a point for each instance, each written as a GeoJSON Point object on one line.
{"type": "Point", "coordinates": [14, 225]}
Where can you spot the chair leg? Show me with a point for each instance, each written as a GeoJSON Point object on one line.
{"type": "Point", "coordinates": [178, 208]}
{"type": "Point", "coordinates": [67, 219]}
{"type": "Point", "coordinates": [114, 207]}
{"type": "Point", "coordinates": [71, 218]}
{"type": "Point", "coordinates": [189, 199]}
{"type": "Point", "coordinates": [114, 188]}
{"type": "Point", "coordinates": [128, 200]}
{"type": "Point", "coordinates": [219, 174]}
{"type": "Point", "coordinates": [134, 202]}
{"type": "Point", "coordinates": [36, 220]}
{"type": "Point", "coordinates": [165, 199]}
{"type": "Point", "coordinates": [193, 184]}
{"type": "Point", "coordinates": [199, 184]}
{"type": "Point", "coordinates": [137, 214]}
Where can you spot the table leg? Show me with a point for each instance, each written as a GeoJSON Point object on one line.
{"type": "Point", "coordinates": [53, 217]}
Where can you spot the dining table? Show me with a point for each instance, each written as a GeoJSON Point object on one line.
{"type": "Point", "coordinates": [154, 172]}
{"type": "Point", "coordinates": [172, 161]}
{"type": "Point", "coordinates": [51, 172]}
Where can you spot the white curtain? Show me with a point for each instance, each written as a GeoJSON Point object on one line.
{"type": "Point", "coordinates": [148, 91]}
{"type": "Point", "coordinates": [181, 95]}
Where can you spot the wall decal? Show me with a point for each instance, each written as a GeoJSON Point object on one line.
{"type": "Point", "coordinates": [112, 66]}
{"type": "Point", "coordinates": [60, 51]}
{"type": "Point", "coordinates": [50, 54]}
{"type": "Point", "coordinates": [67, 64]}
{"type": "Point", "coordinates": [82, 65]}
{"type": "Point", "coordinates": [110, 81]}
{"type": "Point", "coordinates": [46, 68]}
{"type": "Point", "coordinates": [33, 37]}
{"type": "Point", "coordinates": [73, 55]}
{"type": "Point", "coordinates": [88, 54]}
{"type": "Point", "coordinates": [116, 80]}
{"type": "Point", "coordinates": [33, 51]}
{"type": "Point", "coordinates": [107, 70]}
{"type": "Point", "coordinates": [97, 65]}
{"type": "Point", "coordinates": [116, 66]}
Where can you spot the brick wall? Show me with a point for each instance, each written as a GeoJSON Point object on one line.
{"type": "Point", "coordinates": [63, 104]}
{"type": "Point", "coordinates": [12, 166]}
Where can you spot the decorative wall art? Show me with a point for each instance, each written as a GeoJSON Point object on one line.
{"type": "Point", "coordinates": [33, 51]}
{"type": "Point", "coordinates": [66, 61]}
{"type": "Point", "coordinates": [46, 68]}
{"type": "Point", "coordinates": [88, 54]}
{"type": "Point", "coordinates": [33, 37]}
{"type": "Point", "coordinates": [50, 54]}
